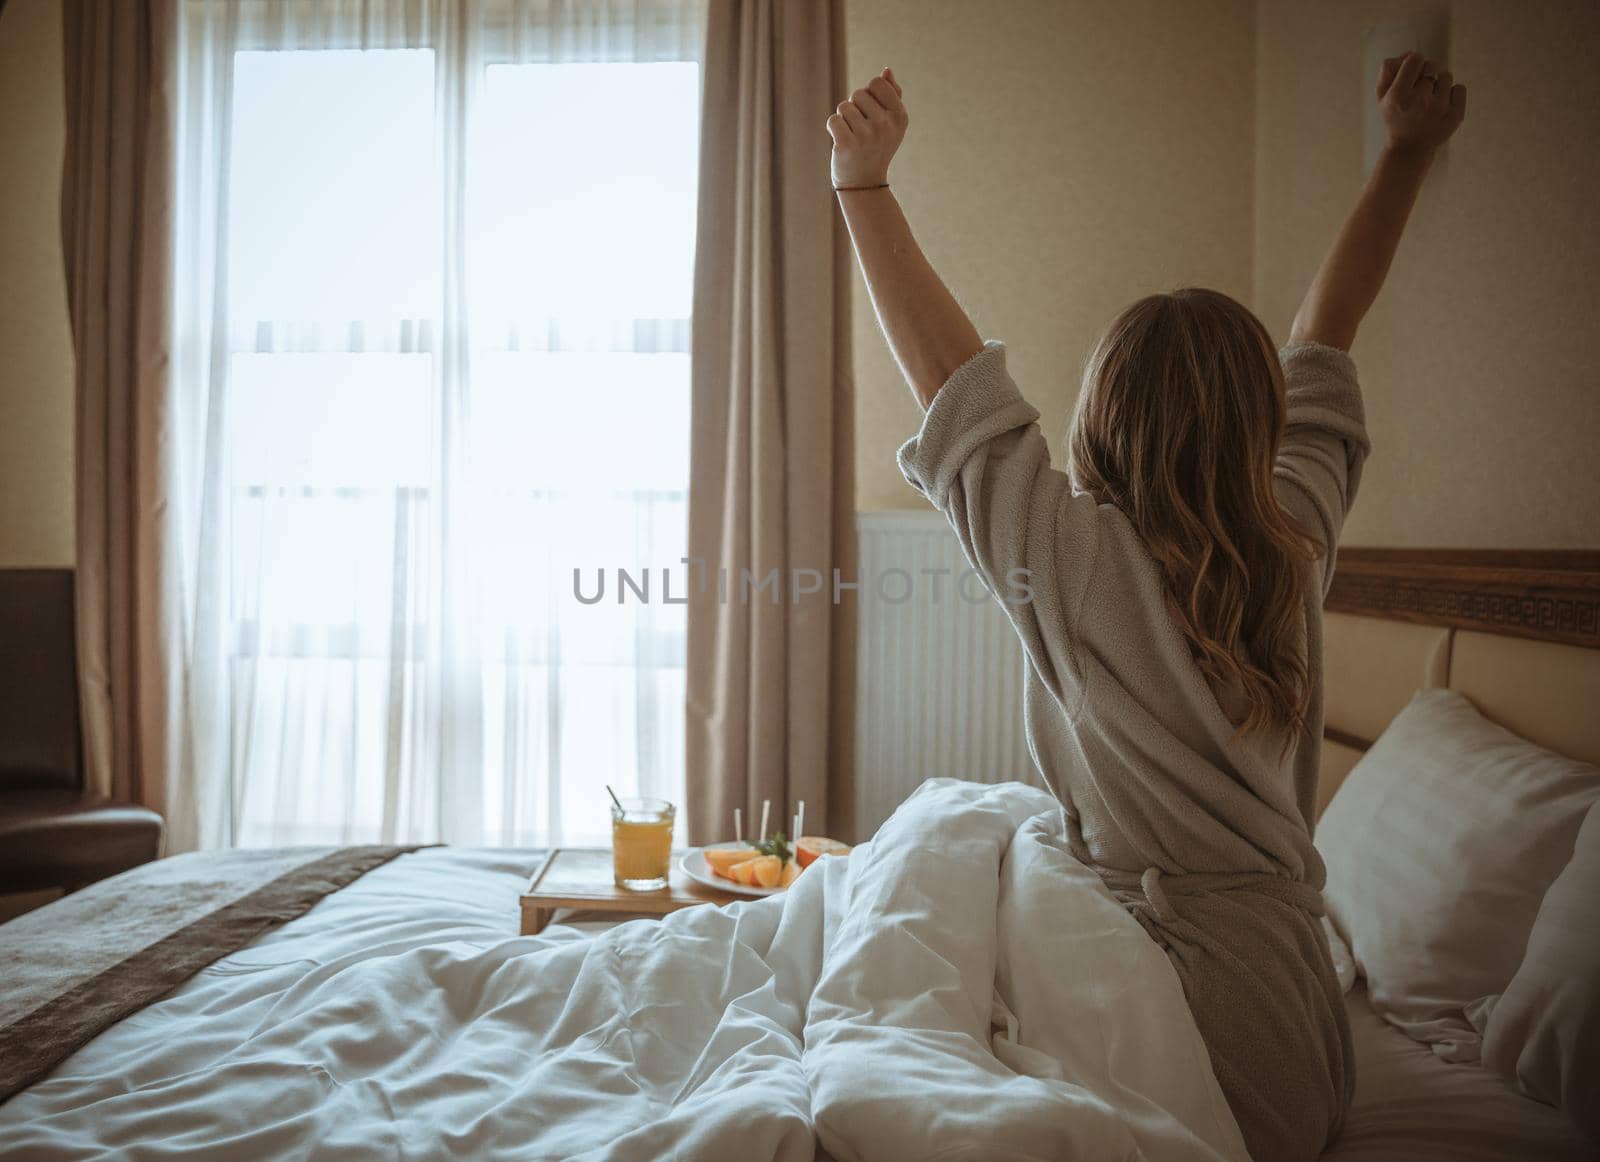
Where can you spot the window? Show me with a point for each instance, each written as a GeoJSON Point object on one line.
{"type": "Point", "coordinates": [449, 366]}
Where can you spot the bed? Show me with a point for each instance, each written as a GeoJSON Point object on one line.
{"type": "Point", "coordinates": [1517, 633]}
{"type": "Point", "coordinates": [1518, 636]}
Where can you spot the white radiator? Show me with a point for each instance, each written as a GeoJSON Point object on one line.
{"type": "Point", "coordinates": [939, 676]}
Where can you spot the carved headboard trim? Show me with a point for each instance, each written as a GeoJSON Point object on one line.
{"type": "Point", "coordinates": [1547, 595]}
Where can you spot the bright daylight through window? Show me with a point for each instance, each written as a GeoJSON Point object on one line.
{"type": "Point", "coordinates": [433, 322]}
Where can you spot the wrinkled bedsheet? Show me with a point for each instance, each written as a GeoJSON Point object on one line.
{"type": "Point", "coordinates": [960, 987]}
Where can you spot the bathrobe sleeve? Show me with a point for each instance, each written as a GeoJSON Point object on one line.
{"type": "Point", "coordinates": [1324, 443]}
{"type": "Point", "coordinates": [982, 461]}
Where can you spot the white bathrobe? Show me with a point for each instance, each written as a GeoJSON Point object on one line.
{"type": "Point", "coordinates": [1207, 840]}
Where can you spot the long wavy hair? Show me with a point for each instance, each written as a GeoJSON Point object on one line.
{"type": "Point", "coordinates": [1178, 425]}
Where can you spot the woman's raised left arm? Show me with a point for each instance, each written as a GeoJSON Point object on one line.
{"type": "Point", "coordinates": [1422, 106]}
{"type": "Point", "coordinates": [928, 332]}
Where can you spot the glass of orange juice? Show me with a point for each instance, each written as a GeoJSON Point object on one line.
{"type": "Point", "coordinates": [641, 843]}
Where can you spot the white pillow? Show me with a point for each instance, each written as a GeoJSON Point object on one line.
{"type": "Point", "coordinates": [1543, 1034]}
{"type": "Point", "coordinates": [1440, 846]}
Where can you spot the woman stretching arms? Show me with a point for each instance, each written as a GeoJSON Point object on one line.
{"type": "Point", "coordinates": [1171, 614]}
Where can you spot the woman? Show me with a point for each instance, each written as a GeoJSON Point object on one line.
{"type": "Point", "coordinates": [1171, 612]}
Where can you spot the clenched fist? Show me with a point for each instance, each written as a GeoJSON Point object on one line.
{"type": "Point", "coordinates": [1421, 107]}
{"type": "Point", "coordinates": [866, 130]}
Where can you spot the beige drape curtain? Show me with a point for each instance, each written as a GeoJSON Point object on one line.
{"type": "Point", "coordinates": [770, 669]}
{"type": "Point", "coordinates": [116, 223]}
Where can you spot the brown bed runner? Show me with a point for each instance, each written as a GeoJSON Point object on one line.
{"type": "Point", "coordinates": [75, 967]}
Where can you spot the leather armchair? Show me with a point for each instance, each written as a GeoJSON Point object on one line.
{"type": "Point", "coordinates": [53, 834]}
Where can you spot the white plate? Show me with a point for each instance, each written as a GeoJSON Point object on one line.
{"type": "Point", "coordinates": [694, 865]}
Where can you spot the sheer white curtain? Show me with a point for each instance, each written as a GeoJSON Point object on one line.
{"type": "Point", "coordinates": [433, 276]}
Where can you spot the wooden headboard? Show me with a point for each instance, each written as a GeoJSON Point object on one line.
{"type": "Point", "coordinates": [1546, 595]}
{"type": "Point", "coordinates": [1516, 631]}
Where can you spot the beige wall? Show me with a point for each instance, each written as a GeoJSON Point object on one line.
{"type": "Point", "coordinates": [1481, 362]}
{"type": "Point", "coordinates": [36, 519]}
{"type": "Point", "coordinates": [1064, 158]}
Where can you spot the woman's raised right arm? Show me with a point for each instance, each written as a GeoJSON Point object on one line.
{"type": "Point", "coordinates": [928, 332]}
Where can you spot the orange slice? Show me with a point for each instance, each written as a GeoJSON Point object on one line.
{"type": "Point", "coordinates": [808, 847]}
{"type": "Point", "coordinates": [745, 872]}
{"type": "Point", "coordinates": [722, 859]}
{"type": "Point", "coordinates": [768, 870]}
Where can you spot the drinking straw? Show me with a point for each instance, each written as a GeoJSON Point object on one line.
{"type": "Point", "coordinates": [738, 825]}
{"type": "Point", "coordinates": [615, 800]}
{"type": "Point", "coordinates": [766, 809]}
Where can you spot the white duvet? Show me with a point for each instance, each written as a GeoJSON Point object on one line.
{"type": "Point", "coordinates": [959, 988]}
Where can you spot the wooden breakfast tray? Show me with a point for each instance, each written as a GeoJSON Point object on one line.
{"type": "Point", "coordinates": [581, 878]}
